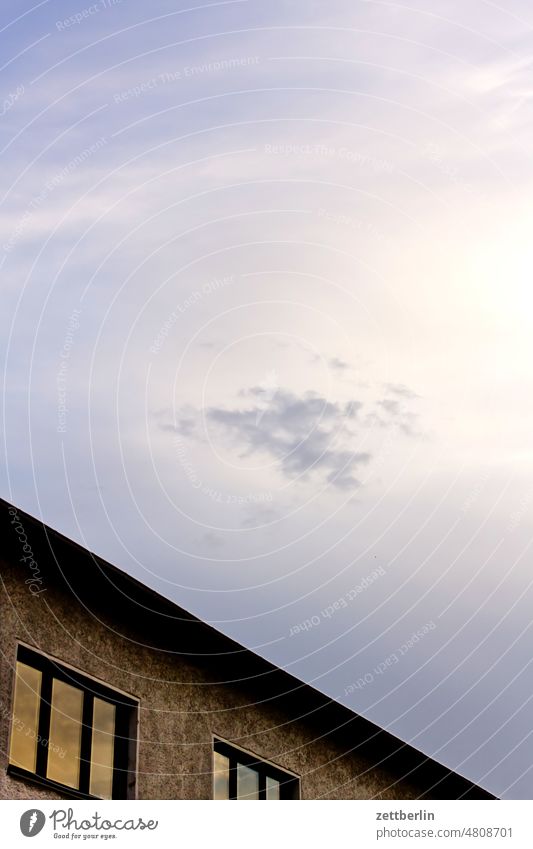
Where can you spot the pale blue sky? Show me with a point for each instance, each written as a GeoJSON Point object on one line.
{"type": "Point", "coordinates": [266, 327]}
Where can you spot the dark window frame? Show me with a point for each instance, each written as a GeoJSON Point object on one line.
{"type": "Point", "coordinates": [124, 770]}
{"type": "Point", "coordinates": [289, 783]}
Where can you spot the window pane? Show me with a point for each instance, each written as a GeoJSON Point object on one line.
{"type": "Point", "coordinates": [221, 776]}
{"type": "Point", "coordinates": [65, 734]}
{"type": "Point", "coordinates": [272, 788]}
{"type": "Point", "coordinates": [247, 783]}
{"type": "Point", "coordinates": [103, 745]}
{"type": "Point", "coordinates": [23, 749]}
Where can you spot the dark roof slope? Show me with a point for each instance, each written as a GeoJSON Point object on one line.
{"type": "Point", "coordinates": [134, 608]}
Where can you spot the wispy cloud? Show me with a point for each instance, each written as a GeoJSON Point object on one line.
{"type": "Point", "coordinates": [400, 389]}
{"type": "Point", "coordinates": [305, 436]}
{"type": "Point", "coordinates": [338, 365]}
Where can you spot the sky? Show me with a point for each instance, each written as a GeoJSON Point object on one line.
{"type": "Point", "coordinates": [266, 335]}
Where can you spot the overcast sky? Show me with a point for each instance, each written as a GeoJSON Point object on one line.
{"type": "Point", "coordinates": [267, 333]}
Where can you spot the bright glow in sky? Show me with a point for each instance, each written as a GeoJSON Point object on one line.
{"type": "Point", "coordinates": [267, 328]}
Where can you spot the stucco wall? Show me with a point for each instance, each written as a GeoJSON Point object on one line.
{"type": "Point", "coordinates": [180, 707]}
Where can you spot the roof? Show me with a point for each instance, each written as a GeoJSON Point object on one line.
{"type": "Point", "coordinates": [166, 627]}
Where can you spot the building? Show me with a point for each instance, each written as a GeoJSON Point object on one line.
{"type": "Point", "coordinates": [109, 690]}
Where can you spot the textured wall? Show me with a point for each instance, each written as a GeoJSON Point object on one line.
{"type": "Point", "coordinates": [180, 707]}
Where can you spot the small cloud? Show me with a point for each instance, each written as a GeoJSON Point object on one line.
{"type": "Point", "coordinates": [212, 540]}
{"type": "Point", "coordinates": [393, 413]}
{"type": "Point", "coordinates": [391, 407]}
{"type": "Point", "coordinates": [183, 426]}
{"type": "Point", "coordinates": [183, 421]}
{"type": "Point", "coordinates": [400, 389]}
{"type": "Point", "coordinates": [347, 481]}
{"type": "Point", "coordinates": [338, 365]}
{"type": "Point", "coordinates": [306, 435]}
{"type": "Point", "coordinates": [259, 515]}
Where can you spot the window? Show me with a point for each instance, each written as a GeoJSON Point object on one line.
{"type": "Point", "coordinates": [241, 775]}
{"type": "Point", "coordinates": [70, 731]}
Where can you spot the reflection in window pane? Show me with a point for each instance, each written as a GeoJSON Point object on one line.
{"type": "Point", "coordinates": [247, 783]}
{"type": "Point", "coordinates": [102, 749]}
{"type": "Point", "coordinates": [23, 749]}
{"type": "Point", "coordinates": [272, 788]}
{"type": "Point", "coordinates": [65, 734]}
{"type": "Point", "coordinates": [221, 776]}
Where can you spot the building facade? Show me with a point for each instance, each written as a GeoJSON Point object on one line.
{"type": "Point", "coordinates": [109, 690]}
